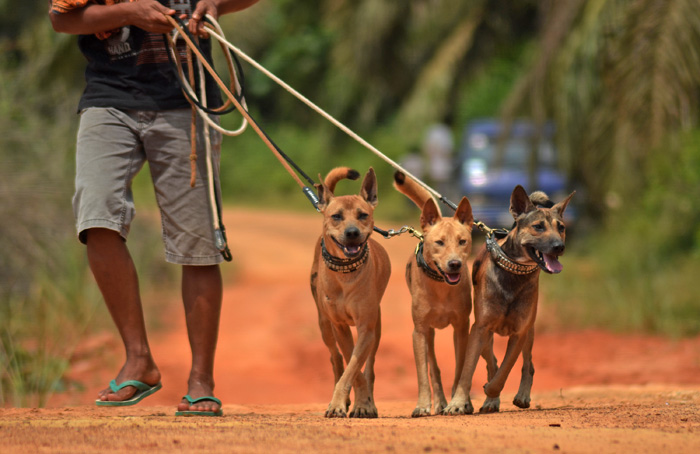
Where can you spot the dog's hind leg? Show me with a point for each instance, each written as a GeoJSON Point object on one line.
{"type": "Point", "coordinates": [522, 398]}
{"type": "Point", "coordinates": [460, 337]}
{"type": "Point", "coordinates": [491, 404]}
{"type": "Point", "coordinates": [369, 365]}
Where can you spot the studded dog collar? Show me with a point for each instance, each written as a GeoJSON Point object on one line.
{"type": "Point", "coordinates": [504, 261]}
{"type": "Point", "coordinates": [420, 260]}
{"type": "Point", "coordinates": [344, 265]}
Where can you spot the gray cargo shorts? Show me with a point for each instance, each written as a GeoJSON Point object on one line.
{"type": "Point", "coordinates": [114, 145]}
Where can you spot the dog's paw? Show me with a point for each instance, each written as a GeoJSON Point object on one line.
{"type": "Point", "coordinates": [364, 412]}
{"type": "Point", "coordinates": [440, 407]}
{"type": "Point", "coordinates": [420, 411]}
{"type": "Point", "coordinates": [521, 401]}
{"type": "Point", "coordinates": [491, 390]}
{"type": "Point", "coordinates": [491, 405]}
{"type": "Point", "coordinates": [336, 412]}
{"type": "Point", "coordinates": [458, 409]}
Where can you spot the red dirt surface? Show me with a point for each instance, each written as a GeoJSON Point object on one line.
{"type": "Point", "coordinates": [593, 390]}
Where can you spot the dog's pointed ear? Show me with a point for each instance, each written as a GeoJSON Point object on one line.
{"type": "Point", "coordinates": [520, 202]}
{"type": "Point", "coordinates": [369, 188]}
{"type": "Point", "coordinates": [464, 212]}
{"type": "Point", "coordinates": [324, 194]}
{"type": "Point", "coordinates": [561, 206]}
{"type": "Point", "coordinates": [430, 214]}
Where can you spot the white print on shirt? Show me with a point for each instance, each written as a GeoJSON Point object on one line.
{"type": "Point", "coordinates": [152, 50]}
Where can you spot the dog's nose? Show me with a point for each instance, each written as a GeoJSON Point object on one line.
{"type": "Point", "coordinates": [352, 233]}
{"type": "Point", "coordinates": [558, 248]}
{"type": "Point", "coordinates": [454, 265]}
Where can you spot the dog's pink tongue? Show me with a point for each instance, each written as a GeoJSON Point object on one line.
{"type": "Point", "coordinates": [352, 250]}
{"type": "Point", "coordinates": [453, 278]}
{"type": "Point", "coordinates": [552, 263]}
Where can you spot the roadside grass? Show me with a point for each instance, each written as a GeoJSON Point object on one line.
{"type": "Point", "coordinates": [595, 292]}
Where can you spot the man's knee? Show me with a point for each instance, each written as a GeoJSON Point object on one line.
{"type": "Point", "coordinates": [100, 235]}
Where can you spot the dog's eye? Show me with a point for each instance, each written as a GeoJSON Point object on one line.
{"type": "Point", "coordinates": [337, 217]}
{"type": "Point", "coordinates": [362, 216]}
{"type": "Point", "coordinates": [561, 228]}
{"type": "Point", "coordinates": [462, 242]}
{"type": "Point", "coordinates": [440, 243]}
{"type": "Point", "coordinates": [539, 227]}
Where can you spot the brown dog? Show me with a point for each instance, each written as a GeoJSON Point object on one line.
{"type": "Point", "coordinates": [505, 277]}
{"type": "Point", "coordinates": [349, 274]}
{"type": "Point", "coordinates": [438, 280]}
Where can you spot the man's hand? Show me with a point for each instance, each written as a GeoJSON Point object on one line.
{"type": "Point", "coordinates": [150, 15]}
{"type": "Point", "coordinates": [196, 24]}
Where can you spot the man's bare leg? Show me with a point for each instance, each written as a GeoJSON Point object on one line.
{"type": "Point", "coordinates": [114, 271]}
{"type": "Point", "coordinates": [202, 294]}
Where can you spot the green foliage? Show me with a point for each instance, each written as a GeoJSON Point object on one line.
{"type": "Point", "coordinates": [640, 272]}
{"type": "Point", "coordinates": [482, 94]}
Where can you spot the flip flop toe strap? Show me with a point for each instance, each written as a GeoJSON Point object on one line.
{"type": "Point", "coordinates": [192, 401]}
{"type": "Point", "coordinates": [135, 383]}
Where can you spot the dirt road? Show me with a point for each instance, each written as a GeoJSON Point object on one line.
{"type": "Point", "coordinates": [593, 391]}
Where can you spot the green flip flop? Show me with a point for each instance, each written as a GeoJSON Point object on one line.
{"type": "Point", "coordinates": [144, 390]}
{"type": "Point", "coordinates": [192, 401]}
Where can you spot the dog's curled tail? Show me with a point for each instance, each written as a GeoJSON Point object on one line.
{"type": "Point", "coordinates": [411, 189]}
{"type": "Point", "coordinates": [540, 199]}
{"type": "Point", "coordinates": [340, 173]}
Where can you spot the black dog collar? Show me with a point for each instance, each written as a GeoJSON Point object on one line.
{"type": "Point", "coordinates": [420, 260]}
{"type": "Point", "coordinates": [344, 265]}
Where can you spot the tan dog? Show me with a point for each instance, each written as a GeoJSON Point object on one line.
{"type": "Point", "coordinates": [505, 277]}
{"type": "Point", "coordinates": [438, 280]}
{"type": "Point", "coordinates": [349, 274]}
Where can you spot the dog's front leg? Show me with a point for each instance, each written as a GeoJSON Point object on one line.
{"type": "Point", "coordinates": [439, 400]}
{"type": "Point", "coordinates": [491, 404]}
{"type": "Point", "coordinates": [356, 357]}
{"type": "Point", "coordinates": [461, 404]}
{"type": "Point", "coordinates": [515, 345]}
{"type": "Point", "coordinates": [420, 354]}
{"type": "Point", "coordinates": [522, 399]}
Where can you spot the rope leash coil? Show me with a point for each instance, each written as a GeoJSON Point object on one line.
{"type": "Point", "coordinates": [179, 26]}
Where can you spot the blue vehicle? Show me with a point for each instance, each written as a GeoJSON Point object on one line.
{"type": "Point", "coordinates": [490, 166]}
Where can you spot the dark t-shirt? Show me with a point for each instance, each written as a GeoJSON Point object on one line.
{"type": "Point", "coordinates": [130, 70]}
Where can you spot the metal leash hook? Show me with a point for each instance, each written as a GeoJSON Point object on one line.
{"type": "Point", "coordinates": [388, 234]}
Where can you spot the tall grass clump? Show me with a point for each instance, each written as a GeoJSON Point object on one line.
{"type": "Point", "coordinates": [48, 299]}
{"type": "Point", "coordinates": [640, 272]}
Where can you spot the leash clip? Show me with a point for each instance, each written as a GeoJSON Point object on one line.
{"type": "Point", "coordinates": [392, 233]}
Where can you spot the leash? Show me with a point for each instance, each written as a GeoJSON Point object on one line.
{"type": "Point", "coordinates": [326, 115]}
{"type": "Point", "coordinates": [387, 234]}
{"type": "Point", "coordinates": [214, 30]}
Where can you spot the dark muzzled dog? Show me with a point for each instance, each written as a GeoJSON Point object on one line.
{"type": "Point", "coordinates": [505, 277]}
{"type": "Point", "coordinates": [349, 275]}
{"type": "Point", "coordinates": [438, 280]}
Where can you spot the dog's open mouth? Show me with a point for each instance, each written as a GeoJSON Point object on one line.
{"type": "Point", "coordinates": [350, 250]}
{"type": "Point", "coordinates": [548, 262]}
{"type": "Point", "coordinates": [450, 278]}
